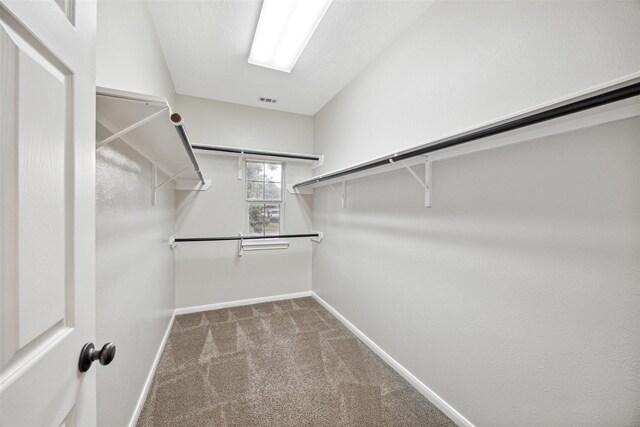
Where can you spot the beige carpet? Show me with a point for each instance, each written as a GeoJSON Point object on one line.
{"type": "Point", "coordinates": [284, 363]}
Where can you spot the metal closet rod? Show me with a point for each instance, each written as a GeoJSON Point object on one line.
{"type": "Point", "coordinates": [177, 121]}
{"type": "Point", "coordinates": [217, 239]}
{"type": "Point", "coordinates": [255, 152]}
{"type": "Point", "coordinates": [535, 118]}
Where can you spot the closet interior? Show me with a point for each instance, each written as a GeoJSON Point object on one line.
{"type": "Point", "coordinates": [319, 213]}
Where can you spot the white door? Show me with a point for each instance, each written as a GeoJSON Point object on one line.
{"type": "Point", "coordinates": [47, 219]}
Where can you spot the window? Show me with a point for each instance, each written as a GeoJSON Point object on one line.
{"type": "Point", "coordinates": [263, 187]}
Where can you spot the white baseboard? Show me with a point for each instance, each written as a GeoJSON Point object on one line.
{"type": "Point", "coordinates": [440, 403]}
{"type": "Point", "coordinates": [151, 375]}
{"type": "Point", "coordinates": [207, 307]}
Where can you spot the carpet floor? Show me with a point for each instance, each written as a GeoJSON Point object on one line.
{"type": "Point", "coordinates": [283, 363]}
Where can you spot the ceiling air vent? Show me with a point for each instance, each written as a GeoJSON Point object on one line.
{"type": "Point", "coordinates": [268, 100]}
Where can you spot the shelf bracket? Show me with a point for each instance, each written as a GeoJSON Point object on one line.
{"type": "Point", "coordinates": [342, 194]}
{"type": "Point", "coordinates": [172, 242]}
{"type": "Point", "coordinates": [426, 184]}
{"type": "Point", "coordinates": [318, 162]}
{"type": "Point", "coordinates": [319, 238]}
{"type": "Point", "coordinates": [130, 128]}
{"type": "Point", "coordinates": [240, 248]}
{"type": "Point", "coordinates": [155, 185]}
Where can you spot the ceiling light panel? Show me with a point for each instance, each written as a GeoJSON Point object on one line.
{"type": "Point", "coordinates": [284, 29]}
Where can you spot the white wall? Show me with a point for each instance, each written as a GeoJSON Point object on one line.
{"type": "Point", "coordinates": [134, 276]}
{"type": "Point", "coordinates": [129, 56]}
{"type": "Point", "coordinates": [135, 291]}
{"type": "Point", "coordinates": [465, 63]}
{"type": "Point", "coordinates": [515, 296]}
{"type": "Point", "coordinates": [208, 273]}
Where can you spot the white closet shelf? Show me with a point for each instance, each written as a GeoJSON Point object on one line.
{"type": "Point", "coordinates": [147, 124]}
{"type": "Point", "coordinates": [610, 102]}
{"type": "Point", "coordinates": [251, 243]}
{"type": "Point", "coordinates": [221, 150]}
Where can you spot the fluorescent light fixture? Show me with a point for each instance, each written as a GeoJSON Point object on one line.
{"type": "Point", "coordinates": [284, 29]}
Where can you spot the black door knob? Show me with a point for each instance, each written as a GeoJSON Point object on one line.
{"type": "Point", "coordinates": [89, 354]}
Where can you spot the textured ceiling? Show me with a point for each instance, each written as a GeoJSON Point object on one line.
{"type": "Point", "coordinates": [206, 45]}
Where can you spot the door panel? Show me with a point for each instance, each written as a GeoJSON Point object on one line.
{"type": "Point", "coordinates": [68, 8]}
{"type": "Point", "coordinates": [47, 116]}
{"type": "Point", "coordinates": [42, 149]}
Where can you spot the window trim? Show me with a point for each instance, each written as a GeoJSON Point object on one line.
{"type": "Point", "coordinates": [249, 202]}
